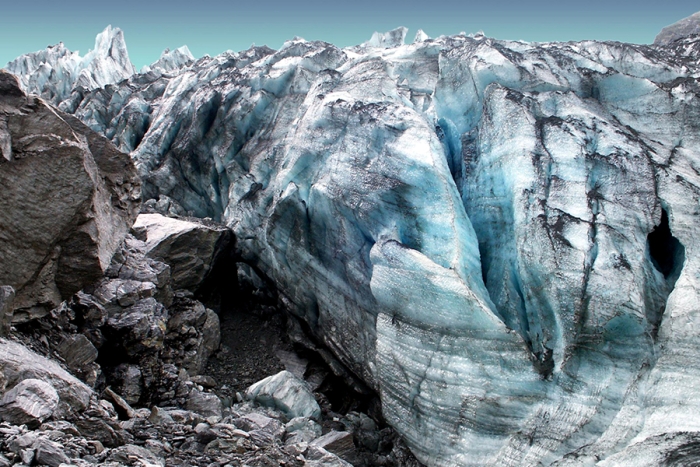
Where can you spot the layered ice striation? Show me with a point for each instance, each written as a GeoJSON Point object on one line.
{"type": "Point", "coordinates": [498, 237]}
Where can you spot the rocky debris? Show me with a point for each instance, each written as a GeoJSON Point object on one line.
{"type": "Point", "coordinates": [196, 329]}
{"type": "Point", "coordinates": [51, 249]}
{"type": "Point", "coordinates": [190, 247]}
{"type": "Point", "coordinates": [30, 402]}
{"type": "Point", "coordinates": [248, 352]}
{"type": "Point", "coordinates": [287, 393]}
{"type": "Point", "coordinates": [7, 297]}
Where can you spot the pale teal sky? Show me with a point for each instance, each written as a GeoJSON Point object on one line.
{"type": "Point", "coordinates": [213, 26]}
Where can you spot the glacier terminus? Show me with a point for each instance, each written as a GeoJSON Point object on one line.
{"type": "Point", "coordinates": [499, 238]}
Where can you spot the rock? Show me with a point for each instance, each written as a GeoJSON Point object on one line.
{"type": "Point", "coordinates": [107, 432]}
{"type": "Point", "coordinates": [302, 430]}
{"type": "Point", "coordinates": [204, 433]}
{"type": "Point", "coordinates": [205, 381]}
{"type": "Point", "coordinates": [211, 339]}
{"type": "Point", "coordinates": [121, 406]}
{"type": "Point", "coordinates": [7, 297]}
{"type": "Point", "coordinates": [77, 351]}
{"type": "Point", "coordinates": [127, 380]}
{"type": "Point", "coordinates": [49, 453]}
{"type": "Point", "coordinates": [131, 454]}
{"type": "Point", "coordinates": [205, 404]}
{"type": "Point", "coordinates": [287, 393]}
{"type": "Point", "coordinates": [193, 335]}
{"type": "Point", "coordinates": [686, 27]}
{"type": "Point", "coordinates": [263, 431]}
{"type": "Point", "coordinates": [18, 363]}
{"type": "Point", "coordinates": [190, 248]}
{"type": "Point", "coordinates": [316, 456]}
{"type": "Point", "coordinates": [69, 198]}
{"type": "Point", "coordinates": [30, 402]}
{"type": "Point", "coordinates": [339, 443]}
{"type": "Point", "coordinates": [159, 416]}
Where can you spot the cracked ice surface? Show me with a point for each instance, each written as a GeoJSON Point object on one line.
{"type": "Point", "coordinates": [463, 221]}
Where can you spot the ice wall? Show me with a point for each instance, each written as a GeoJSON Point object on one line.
{"type": "Point", "coordinates": [498, 237]}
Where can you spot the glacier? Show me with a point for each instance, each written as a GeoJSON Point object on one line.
{"type": "Point", "coordinates": [497, 237]}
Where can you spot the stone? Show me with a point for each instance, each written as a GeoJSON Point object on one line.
{"type": "Point", "coordinates": [339, 443]}
{"type": "Point", "coordinates": [205, 381]}
{"type": "Point", "coordinates": [131, 454]}
{"type": "Point", "coordinates": [30, 402]}
{"type": "Point", "coordinates": [107, 432]}
{"type": "Point", "coordinates": [159, 416]}
{"type": "Point", "coordinates": [128, 382]}
{"type": "Point", "coordinates": [204, 433]}
{"type": "Point", "coordinates": [69, 198]}
{"type": "Point", "coordinates": [287, 393]}
{"type": "Point", "coordinates": [302, 430]}
{"type": "Point", "coordinates": [121, 406]}
{"type": "Point", "coordinates": [7, 297]}
{"type": "Point", "coordinates": [49, 453]}
{"type": "Point", "coordinates": [316, 456]}
{"type": "Point", "coordinates": [205, 404]}
{"type": "Point", "coordinates": [77, 351]}
{"type": "Point", "coordinates": [190, 247]}
{"type": "Point", "coordinates": [18, 363]}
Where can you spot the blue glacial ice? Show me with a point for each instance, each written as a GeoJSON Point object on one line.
{"type": "Point", "coordinates": [498, 237]}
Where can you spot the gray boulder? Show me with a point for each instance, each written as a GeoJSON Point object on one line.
{"type": "Point", "coordinates": [69, 198]}
{"type": "Point", "coordinates": [29, 403]}
{"type": "Point", "coordinates": [287, 393]}
{"type": "Point", "coordinates": [189, 247]}
{"type": "Point", "coordinates": [18, 363]}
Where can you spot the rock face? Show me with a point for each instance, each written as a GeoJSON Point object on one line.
{"type": "Point", "coordinates": [497, 237]}
{"type": "Point", "coordinates": [686, 27]}
{"type": "Point", "coordinates": [69, 198]}
{"type": "Point", "coordinates": [190, 248]}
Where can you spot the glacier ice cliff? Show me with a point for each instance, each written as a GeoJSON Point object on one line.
{"type": "Point", "coordinates": [498, 237]}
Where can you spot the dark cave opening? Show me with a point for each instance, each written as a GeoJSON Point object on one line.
{"type": "Point", "coordinates": [666, 252]}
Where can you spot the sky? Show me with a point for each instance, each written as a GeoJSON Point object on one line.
{"type": "Point", "coordinates": [214, 26]}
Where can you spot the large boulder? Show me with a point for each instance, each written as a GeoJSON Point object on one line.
{"type": "Point", "coordinates": [30, 402]}
{"type": "Point", "coordinates": [190, 247]}
{"type": "Point", "coordinates": [69, 198]}
{"type": "Point", "coordinates": [18, 363]}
